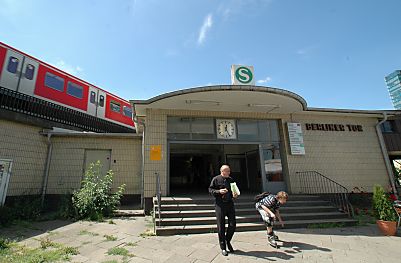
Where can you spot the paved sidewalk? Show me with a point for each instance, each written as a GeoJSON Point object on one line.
{"type": "Point", "coordinates": [349, 244]}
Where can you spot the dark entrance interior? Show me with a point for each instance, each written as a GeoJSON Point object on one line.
{"type": "Point", "coordinates": [192, 167]}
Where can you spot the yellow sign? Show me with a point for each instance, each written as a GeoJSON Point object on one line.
{"type": "Point", "coordinates": [155, 152]}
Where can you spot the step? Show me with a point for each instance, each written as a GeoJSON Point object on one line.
{"type": "Point", "coordinates": [241, 227]}
{"type": "Point", "coordinates": [245, 219]}
{"type": "Point", "coordinates": [210, 199]}
{"type": "Point", "coordinates": [244, 211]}
{"type": "Point", "coordinates": [238, 205]}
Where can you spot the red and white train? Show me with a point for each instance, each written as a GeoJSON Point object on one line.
{"type": "Point", "coordinates": [25, 74]}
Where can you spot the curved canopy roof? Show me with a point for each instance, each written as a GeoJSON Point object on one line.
{"type": "Point", "coordinates": [225, 98]}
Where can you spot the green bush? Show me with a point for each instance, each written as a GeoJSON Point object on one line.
{"type": "Point", "coordinates": [95, 200]}
{"type": "Point", "coordinates": [382, 205]}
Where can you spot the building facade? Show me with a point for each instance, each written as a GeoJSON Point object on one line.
{"type": "Point", "coordinates": [393, 82]}
{"type": "Point", "coordinates": [268, 136]}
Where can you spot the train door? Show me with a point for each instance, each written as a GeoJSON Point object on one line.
{"type": "Point", "coordinates": [19, 73]}
{"type": "Point", "coordinates": [29, 74]}
{"type": "Point", "coordinates": [5, 172]}
{"type": "Point", "coordinates": [93, 101]}
{"type": "Point", "coordinates": [11, 70]}
{"type": "Point", "coordinates": [101, 106]}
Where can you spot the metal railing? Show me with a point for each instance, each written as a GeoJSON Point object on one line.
{"type": "Point", "coordinates": [17, 102]}
{"type": "Point", "coordinates": [159, 196]}
{"type": "Point", "coordinates": [314, 183]}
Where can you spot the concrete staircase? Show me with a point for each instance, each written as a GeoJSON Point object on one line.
{"type": "Point", "coordinates": [190, 215]}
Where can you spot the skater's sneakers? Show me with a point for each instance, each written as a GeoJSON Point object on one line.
{"type": "Point", "coordinates": [272, 240]}
{"type": "Point", "coordinates": [273, 234]}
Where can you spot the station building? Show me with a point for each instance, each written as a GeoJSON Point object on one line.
{"type": "Point", "coordinates": [268, 136]}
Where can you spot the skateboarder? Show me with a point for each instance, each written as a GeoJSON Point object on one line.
{"type": "Point", "coordinates": [268, 206]}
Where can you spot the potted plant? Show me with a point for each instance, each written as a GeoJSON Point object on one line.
{"type": "Point", "coordinates": [384, 211]}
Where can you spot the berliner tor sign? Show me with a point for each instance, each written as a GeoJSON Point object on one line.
{"type": "Point", "coordinates": [242, 75]}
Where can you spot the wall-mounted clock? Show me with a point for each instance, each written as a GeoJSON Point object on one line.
{"type": "Point", "coordinates": [226, 129]}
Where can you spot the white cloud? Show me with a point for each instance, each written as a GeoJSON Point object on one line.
{"type": "Point", "coordinates": [265, 80]}
{"type": "Point", "coordinates": [207, 24]}
{"type": "Point", "coordinates": [305, 51]}
{"type": "Point", "coordinates": [73, 70]}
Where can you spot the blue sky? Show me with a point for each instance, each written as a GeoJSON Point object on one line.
{"type": "Point", "coordinates": [334, 54]}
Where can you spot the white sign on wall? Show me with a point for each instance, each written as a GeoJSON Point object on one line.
{"type": "Point", "coordinates": [242, 75]}
{"type": "Point", "coordinates": [5, 172]}
{"type": "Point", "coordinates": [296, 138]}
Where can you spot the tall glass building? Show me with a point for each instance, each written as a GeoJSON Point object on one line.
{"type": "Point", "coordinates": [393, 82]}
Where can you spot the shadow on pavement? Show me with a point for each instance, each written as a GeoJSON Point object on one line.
{"type": "Point", "coordinates": [298, 247]}
{"type": "Point", "coordinates": [24, 230]}
{"type": "Point", "coordinates": [369, 230]}
{"type": "Point", "coordinates": [284, 252]}
{"type": "Point", "coordinates": [269, 255]}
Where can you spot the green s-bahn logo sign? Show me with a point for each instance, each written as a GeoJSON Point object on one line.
{"type": "Point", "coordinates": [242, 75]}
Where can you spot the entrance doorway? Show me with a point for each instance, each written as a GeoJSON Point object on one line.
{"type": "Point", "coordinates": [192, 166]}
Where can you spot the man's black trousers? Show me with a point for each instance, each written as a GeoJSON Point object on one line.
{"type": "Point", "coordinates": [222, 211]}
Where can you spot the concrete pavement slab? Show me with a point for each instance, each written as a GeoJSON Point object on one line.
{"type": "Point", "coordinates": [347, 244]}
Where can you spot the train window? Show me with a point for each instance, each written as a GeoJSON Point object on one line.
{"type": "Point", "coordinates": [101, 101]}
{"type": "Point", "coordinates": [54, 82]}
{"type": "Point", "coordinates": [29, 71]}
{"type": "Point", "coordinates": [93, 97]}
{"type": "Point", "coordinates": [12, 64]}
{"type": "Point", "coordinates": [115, 106]}
{"type": "Point", "coordinates": [127, 111]}
{"type": "Point", "coordinates": [75, 90]}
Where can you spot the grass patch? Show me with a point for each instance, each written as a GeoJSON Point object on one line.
{"type": "Point", "coordinates": [111, 222]}
{"type": "Point", "coordinates": [364, 220]}
{"type": "Point", "coordinates": [110, 238]}
{"type": "Point", "coordinates": [13, 252]}
{"type": "Point", "coordinates": [119, 251]}
{"type": "Point", "coordinates": [148, 233]}
{"type": "Point", "coordinates": [326, 225]}
{"type": "Point", "coordinates": [86, 232]}
{"type": "Point", "coordinates": [131, 244]}
{"type": "Point", "coordinates": [46, 242]}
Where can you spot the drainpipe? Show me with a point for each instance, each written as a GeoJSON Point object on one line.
{"type": "Point", "coordinates": [143, 167]}
{"type": "Point", "coordinates": [47, 168]}
{"type": "Point", "coordinates": [385, 153]}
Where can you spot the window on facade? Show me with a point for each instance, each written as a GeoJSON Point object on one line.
{"type": "Point", "coordinates": [202, 129]}
{"type": "Point", "coordinates": [114, 106]}
{"type": "Point", "coordinates": [248, 130]}
{"type": "Point", "coordinates": [12, 65]}
{"type": "Point", "coordinates": [75, 90]}
{"type": "Point", "coordinates": [388, 127]}
{"type": "Point", "coordinates": [92, 98]}
{"type": "Point", "coordinates": [29, 71]}
{"type": "Point", "coordinates": [179, 128]}
{"type": "Point", "coordinates": [127, 111]}
{"type": "Point", "coordinates": [54, 82]}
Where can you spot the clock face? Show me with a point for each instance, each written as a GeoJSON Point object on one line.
{"type": "Point", "coordinates": [226, 129]}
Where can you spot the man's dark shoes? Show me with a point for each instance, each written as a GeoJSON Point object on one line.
{"type": "Point", "coordinates": [230, 247]}
{"type": "Point", "coordinates": [224, 252]}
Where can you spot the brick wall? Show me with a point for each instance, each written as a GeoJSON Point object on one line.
{"type": "Point", "coordinates": [27, 148]}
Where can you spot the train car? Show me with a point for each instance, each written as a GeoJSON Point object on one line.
{"type": "Point", "coordinates": [23, 73]}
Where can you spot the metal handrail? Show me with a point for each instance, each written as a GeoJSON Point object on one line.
{"type": "Point", "coordinates": [158, 195]}
{"type": "Point", "coordinates": [21, 103]}
{"type": "Point", "coordinates": [312, 182]}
